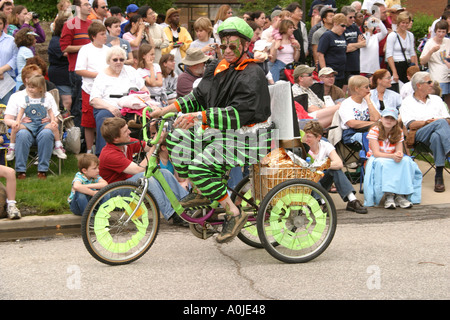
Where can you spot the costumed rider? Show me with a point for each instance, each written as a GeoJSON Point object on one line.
{"type": "Point", "coordinates": [225, 123]}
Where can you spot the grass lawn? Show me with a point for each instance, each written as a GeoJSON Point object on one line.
{"type": "Point", "coordinates": [46, 197]}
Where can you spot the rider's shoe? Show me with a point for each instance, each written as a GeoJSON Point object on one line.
{"type": "Point", "coordinates": [232, 226]}
{"type": "Point", "coordinates": [193, 200]}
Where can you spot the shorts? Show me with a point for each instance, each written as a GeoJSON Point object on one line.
{"type": "Point", "coordinates": [64, 90]}
{"type": "Point", "coordinates": [445, 87]}
{"type": "Point", "coordinates": [87, 115]}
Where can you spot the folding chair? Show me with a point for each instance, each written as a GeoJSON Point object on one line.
{"type": "Point", "coordinates": [421, 151]}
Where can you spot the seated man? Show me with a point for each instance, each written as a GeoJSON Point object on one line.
{"type": "Point", "coordinates": [357, 112]}
{"type": "Point", "coordinates": [116, 164]}
{"type": "Point", "coordinates": [428, 115]}
{"type": "Point", "coordinates": [316, 108]}
{"type": "Point", "coordinates": [326, 90]}
{"type": "Point", "coordinates": [194, 66]}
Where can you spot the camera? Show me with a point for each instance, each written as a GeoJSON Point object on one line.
{"type": "Point", "coordinates": [372, 23]}
{"type": "Point", "coordinates": [147, 24]}
{"type": "Point", "coordinates": [214, 45]}
{"type": "Point", "coordinates": [35, 15]}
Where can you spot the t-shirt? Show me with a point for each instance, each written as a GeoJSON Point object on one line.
{"type": "Point", "coordinates": [124, 44]}
{"type": "Point", "coordinates": [334, 49]}
{"type": "Point", "coordinates": [74, 33]}
{"type": "Point", "coordinates": [113, 161]}
{"type": "Point", "coordinates": [351, 35]}
{"type": "Point", "coordinates": [325, 149]}
{"type": "Point", "coordinates": [23, 54]}
{"type": "Point", "coordinates": [83, 180]}
{"type": "Point", "coordinates": [437, 68]}
{"type": "Point", "coordinates": [351, 110]}
{"type": "Point", "coordinates": [144, 73]}
{"type": "Point", "coordinates": [105, 85]}
{"type": "Point", "coordinates": [93, 59]}
{"type": "Point", "coordinates": [200, 44]}
{"type": "Point", "coordinates": [17, 100]}
{"type": "Point", "coordinates": [385, 146]}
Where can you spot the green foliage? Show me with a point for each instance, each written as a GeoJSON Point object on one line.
{"type": "Point", "coordinates": [421, 24]}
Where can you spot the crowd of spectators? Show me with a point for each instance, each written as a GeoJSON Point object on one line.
{"type": "Point", "coordinates": [97, 53]}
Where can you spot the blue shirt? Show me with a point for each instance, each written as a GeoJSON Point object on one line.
{"type": "Point", "coordinates": [334, 49]}
{"type": "Point", "coordinates": [8, 53]}
{"type": "Point", "coordinates": [391, 99]}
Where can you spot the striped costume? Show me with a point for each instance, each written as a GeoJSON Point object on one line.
{"type": "Point", "coordinates": [235, 106]}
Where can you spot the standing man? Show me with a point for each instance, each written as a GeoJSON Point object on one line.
{"type": "Point", "coordinates": [154, 31]}
{"type": "Point", "coordinates": [326, 14]}
{"type": "Point", "coordinates": [332, 48]}
{"type": "Point", "coordinates": [178, 36]}
{"type": "Point", "coordinates": [99, 11]}
{"type": "Point", "coordinates": [74, 35]}
{"type": "Point", "coordinates": [355, 41]}
{"type": "Point", "coordinates": [300, 33]}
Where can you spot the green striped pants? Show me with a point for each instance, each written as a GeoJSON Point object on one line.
{"type": "Point", "coordinates": [204, 156]}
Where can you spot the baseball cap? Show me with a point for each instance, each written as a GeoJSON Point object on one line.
{"type": "Point", "coordinates": [301, 69]}
{"type": "Point", "coordinates": [390, 113]}
{"type": "Point", "coordinates": [325, 71]}
{"type": "Point", "coordinates": [132, 8]}
{"type": "Point", "coordinates": [274, 14]}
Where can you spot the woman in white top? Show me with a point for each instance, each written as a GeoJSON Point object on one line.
{"type": "Point", "coordinates": [369, 58]}
{"type": "Point", "coordinates": [108, 87]}
{"type": "Point", "coordinates": [400, 50]}
{"type": "Point", "coordinates": [436, 53]}
{"type": "Point", "coordinates": [284, 51]}
{"type": "Point", "coordinates": [223, 13]}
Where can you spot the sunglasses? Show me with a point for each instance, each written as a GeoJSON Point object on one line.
{"type": "Point", "coordinates": [429, 81]}
{"type": "Point", "coordinates": [232, 47]}
{"type": "Point", "coordinates": [118, 59]}
{"type": "Point", "coordinates": [306, 75]}
{"type": "Point", "coordinates": [104, 7]}
{"type": "Point", "coordinates": [343, 26]}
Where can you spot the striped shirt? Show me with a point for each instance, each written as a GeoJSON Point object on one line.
{"type": "Point", "coordinates": [74, 33]}
{"type": "Point", "coordinates": [385, 145]}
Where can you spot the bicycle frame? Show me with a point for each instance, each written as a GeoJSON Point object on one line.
{"type": "Point", "coordinates": [153, 171]}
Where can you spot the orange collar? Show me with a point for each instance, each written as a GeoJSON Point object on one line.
{"type": "Point", "coordinates": [224, 65]}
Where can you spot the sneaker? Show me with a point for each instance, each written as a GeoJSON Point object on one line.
{"type": "Point", "coordinates": [11, 154]}
{"type": "Point", "coordinates": [193, 200]}
{"type": "Point", "coordinates": [356, 206]}
{"type": "Point", "coordinates": [402, 202]}
{"type": "Point", "coordinates": [60, 152]}
{"type": "Point", "coordinates": [389, 202]}
{"type": "Point", "coordinates": [231, 227]}
{"type": "Point", "coordinates": [13, 212]}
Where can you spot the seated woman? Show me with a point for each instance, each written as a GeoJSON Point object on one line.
{"type": "Point", "coordinates": [388, 171]}
{"type": "Point", "coordinates": [110, 83]}
{"type": "Point", "coordinates": [380, 94]}
{"type": "Point", "coordinates": [357, 112]}
{"type": "Point", "coordinates": [321, 149]}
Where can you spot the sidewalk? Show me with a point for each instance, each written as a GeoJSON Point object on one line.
{"type": "Point", "coordinates": [434, 205]}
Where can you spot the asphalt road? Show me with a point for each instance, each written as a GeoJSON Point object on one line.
{"type": "Point", "coordinates": [400, 254]}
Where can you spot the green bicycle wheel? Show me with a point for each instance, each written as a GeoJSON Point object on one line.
{"type": "Point", "coordinates": [301, 217]}
{"type": "Point", "coordinates": [111, 233]}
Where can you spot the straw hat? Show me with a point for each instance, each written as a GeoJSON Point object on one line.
{"type": "Point", "coordinates": [170, 12]}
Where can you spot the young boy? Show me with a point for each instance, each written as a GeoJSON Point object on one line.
{"type": "Point", "coordinates": [203, 30]}
{"type": "Point", "coordinates": [90, 61]}
{"type": "Point", "coordinates": [86, 183]}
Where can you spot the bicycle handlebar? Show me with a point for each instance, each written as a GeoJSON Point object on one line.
{"type": "Point", "coordinates": [161, 127]}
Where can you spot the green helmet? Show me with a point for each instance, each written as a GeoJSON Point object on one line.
{"type": "Point", "coordinates": [235, 26]}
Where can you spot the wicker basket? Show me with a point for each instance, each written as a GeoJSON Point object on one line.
{"type": "Point", "coordinates": [264, 178]}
